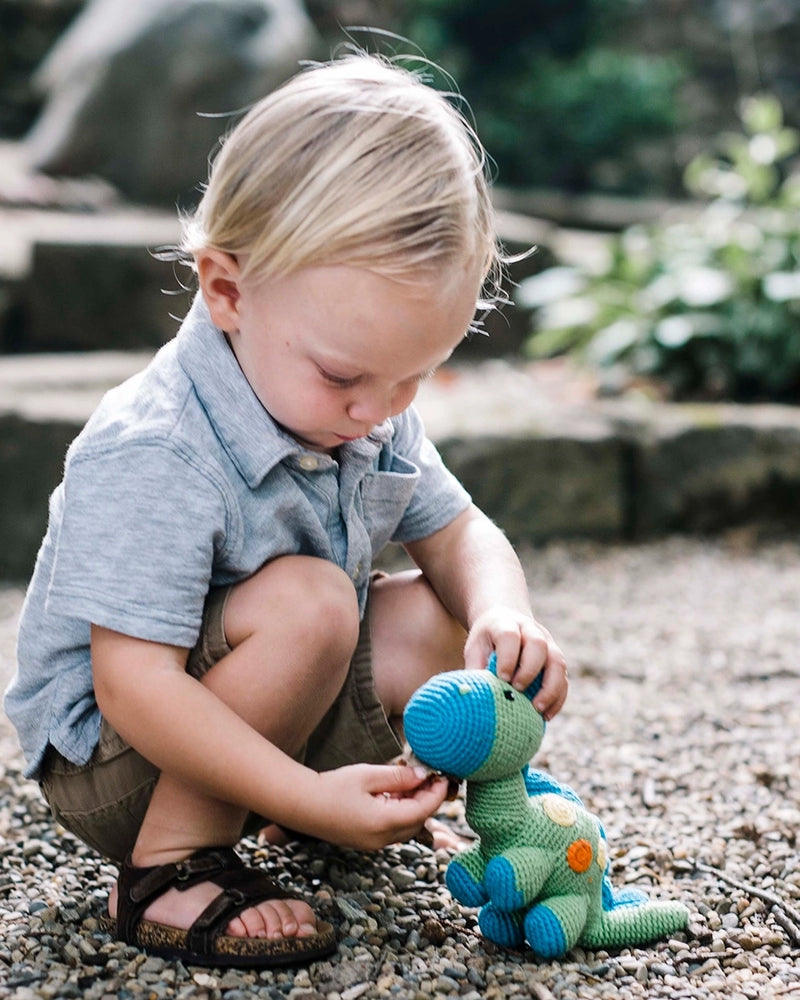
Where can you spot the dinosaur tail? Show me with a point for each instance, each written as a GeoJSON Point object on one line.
{"type": "Point", "coordinates": [628, 925]}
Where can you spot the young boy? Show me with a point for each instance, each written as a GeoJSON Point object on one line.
{"type": "Point", "coordinates": [203, 643]}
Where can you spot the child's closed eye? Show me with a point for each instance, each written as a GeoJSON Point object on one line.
{"type": "Point", "coordinates": [346, 381]}
{"type": "Point", "coordinates": [340, 381]}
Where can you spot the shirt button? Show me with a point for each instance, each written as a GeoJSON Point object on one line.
{"type": "Point", "coordinates": [357, 571]}
{"type": "Point", "coordinates": [308, 463]}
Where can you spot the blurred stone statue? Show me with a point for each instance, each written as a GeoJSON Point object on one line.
{"type": "Point", "coordinates": [129, 85]}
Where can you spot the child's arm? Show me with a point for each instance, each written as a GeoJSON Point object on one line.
{"type": "Point", "coordinates": [478, 577]}
{"type": "Point", "coordinates": [187, 730]}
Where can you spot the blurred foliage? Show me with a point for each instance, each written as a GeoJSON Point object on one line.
{"type": "Point", "coordinates": [552, 95]}
{"type": "Point", "coordinates": [710, 306]}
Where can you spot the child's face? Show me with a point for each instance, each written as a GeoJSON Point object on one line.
{"type": "Point", "coordinates": [333, 351]}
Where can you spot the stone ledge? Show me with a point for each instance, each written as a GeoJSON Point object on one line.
{"type": "Point", "coordinates": [541, 464]}
{"type": "Point", "coordinates": [547, 465]}
{"type": "Point", "coordinates": [104, 285]}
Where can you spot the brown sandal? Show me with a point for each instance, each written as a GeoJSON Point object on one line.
{"type": "Point", "coordinates": [205, 943]}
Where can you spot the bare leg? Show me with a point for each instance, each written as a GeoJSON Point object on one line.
{"type": "Point", "coordinates": [292, 628]}
{"type": "Point", "coordinates": [413, 638]}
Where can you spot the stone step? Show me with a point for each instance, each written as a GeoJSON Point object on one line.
{"type": "Point", "coordinates": [79, 282]}
{"type": "Point", "coordinates": [44, 402]}
{"type": "Point", "coordinates": [543, 461]}
{"type": "Point", "coordinates": [78, 272]}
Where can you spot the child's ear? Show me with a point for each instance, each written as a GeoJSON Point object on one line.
{"type": "Point", "coordinates": [219, 276]}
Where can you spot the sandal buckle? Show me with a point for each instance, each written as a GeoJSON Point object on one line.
{"type": "Point", "coordinates": [182, 871]}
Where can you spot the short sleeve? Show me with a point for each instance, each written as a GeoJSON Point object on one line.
{"type": "Point", "coordinates": [439, 497]}
{"type": "Point", "coordinates": [136, 544]}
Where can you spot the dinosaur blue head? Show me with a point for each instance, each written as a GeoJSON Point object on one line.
{"type": "Point", "coordinates": [471, 724]}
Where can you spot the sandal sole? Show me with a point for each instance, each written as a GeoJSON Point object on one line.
{"type": "Point", "coordinates": [240, 952]}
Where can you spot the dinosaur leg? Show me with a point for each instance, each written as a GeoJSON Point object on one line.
{"type": "Point", "coordinates": [464, 877]}
{"type": "Point", "coordinates": [554, 926]}
{"type": "Point", "coordinates": [505, 929]}
{"type": "Point", "coordinates": [514, 878]}
{"type": "Point", "coordinates": [632, 924]}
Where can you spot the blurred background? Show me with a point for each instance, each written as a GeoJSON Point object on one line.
{"type": "Point", "coordinates": [591, 95]}
{"type": "Point", "coordinates": [600, 115]}
{"type": "Point", "coordinates": [648, 149]}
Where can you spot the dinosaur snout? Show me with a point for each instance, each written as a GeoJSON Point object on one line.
{"type": "Point", "coordinates": [449, 722]}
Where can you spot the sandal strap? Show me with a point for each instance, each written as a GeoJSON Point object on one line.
{"type": "Point", "coordinates": [242, 886]}
{"type": "Point", "coordinates": [240, 890]}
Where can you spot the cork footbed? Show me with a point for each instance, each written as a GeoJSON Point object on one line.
{"type": "Point", "coordinates": [170, 942]}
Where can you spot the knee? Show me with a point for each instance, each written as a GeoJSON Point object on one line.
{"type": "Point", "coordinates": [326, 601]}
{"type": "Point", "coordinates": [312, 598]}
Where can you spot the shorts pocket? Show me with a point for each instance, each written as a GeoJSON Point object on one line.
{"type": "Point", "coordinates": [110, 829]}
{"type": "Point", "coordinates": [103, 801]}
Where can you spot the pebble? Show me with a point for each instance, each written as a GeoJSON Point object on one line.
{"type": "Point", "coordinates": [683, 693]}
{"type": "Point", "coordinates": [354, 992]}
{"type": "Point", "coordinates": [402, 878]}
{"type": "Point", "coordinates": [661, 969]}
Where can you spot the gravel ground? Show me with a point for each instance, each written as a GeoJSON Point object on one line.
{"type": "Point", "coordinates": [682, 732]}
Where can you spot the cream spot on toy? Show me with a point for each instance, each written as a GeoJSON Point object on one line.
{"type": "Point", "coordinates": [602, 854]}
{"type": "Point", "coordinates": [464, 689]}
{"type": "Point", "coordinates": [559, 810]}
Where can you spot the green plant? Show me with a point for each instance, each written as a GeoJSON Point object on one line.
{"type": "Point", "coordinates": [709, 305]}
{"type": "Point", "coordinates": [555, 96]}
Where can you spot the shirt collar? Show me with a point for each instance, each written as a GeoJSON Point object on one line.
{"type": "Point", "coordinates": [248, 433]}
{"type": "Point", "coordinates": [252, 439]}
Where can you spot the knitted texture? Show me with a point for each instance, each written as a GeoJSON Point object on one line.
{"type": "Point", "coordinates": [539, 871]}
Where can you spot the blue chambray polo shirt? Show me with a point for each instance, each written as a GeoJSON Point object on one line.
{"type": "Point", "coordinates": [181, 481]}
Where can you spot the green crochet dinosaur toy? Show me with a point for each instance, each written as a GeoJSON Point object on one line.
{"type": "Point", "coordinates": [539, 871]}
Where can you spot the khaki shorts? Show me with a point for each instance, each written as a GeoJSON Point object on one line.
{"type": "Point", "coordinates": [103, 802]}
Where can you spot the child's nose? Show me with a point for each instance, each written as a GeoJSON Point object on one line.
{"type": "Point", "coordinates": [372, 408]}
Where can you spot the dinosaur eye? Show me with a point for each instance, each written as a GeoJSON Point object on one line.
{"type": "Point", "coordinates": [508, 695]}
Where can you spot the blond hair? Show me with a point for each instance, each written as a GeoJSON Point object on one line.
{"type": "Point", "coordinates": [356, 162]}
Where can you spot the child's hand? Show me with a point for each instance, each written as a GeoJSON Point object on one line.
{"type": "Point", "coordinates": [524, 648]}
{"type": "Point", "coordinates": [367, 806]}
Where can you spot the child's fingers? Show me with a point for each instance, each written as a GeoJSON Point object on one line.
{"type": "Point", "coordinates": [507, 645]}
{"type": "Point", "coordinates": [420, 790]}
{"type": "Point", "coordinates": [410, 812]}
{"type": "Point", "coordinates": [367, 806]}
{"type": "Point", "coordinates": [395, 780]}
{"type": "Point", "coordinates": [555, 684]}
{"type": "Point", "coordinates": [476, 652]}
{"type": "Point", "coordinates": [533, 657]}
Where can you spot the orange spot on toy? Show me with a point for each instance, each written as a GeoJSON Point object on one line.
{"type": "Point", "coordinates": [579, 855]}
